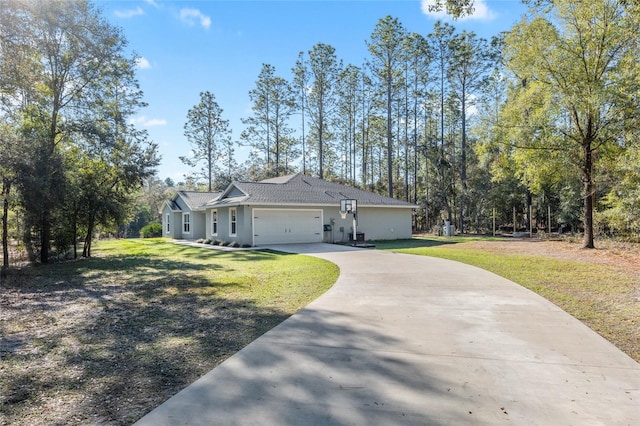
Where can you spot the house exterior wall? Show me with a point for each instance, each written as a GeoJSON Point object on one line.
{"type": "Point", "coordinates": [243, 229]}
{"type": "Point", "coordinates": [197, 222]}
{"type": "Point", "coordinates": [385, 223]}
{"type": "Point", "coordinates": [377, 223]}
{"type": "Point", "coordinates": [198, 229]}
{"type": "Point", "coordinates": [175, 222]}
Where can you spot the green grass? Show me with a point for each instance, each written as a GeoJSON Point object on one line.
{"type": "Point", "coordinates": [287, 281]}
{"type": "Point", "coordinates": [603, 297]}
{"type": "Point", "coordinates": [107, 339]}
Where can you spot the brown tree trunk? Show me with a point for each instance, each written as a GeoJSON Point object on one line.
{"type": "Point", "coordinates": [589, 190]}
{"type": "Point", "coordinates": [6, 186]}
{"type": "Point", "coordinates": [45, 236]}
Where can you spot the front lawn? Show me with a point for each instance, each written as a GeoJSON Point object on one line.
{"type": "Point", "coordinates": [107, 339]}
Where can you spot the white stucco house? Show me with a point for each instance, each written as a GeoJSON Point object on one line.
{"type": "Point", "coordinates": [289, 209]}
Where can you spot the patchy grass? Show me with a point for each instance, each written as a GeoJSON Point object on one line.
{"type": "Point", "coordinates": [595, 290]}
{"type": "Point", "coordinates": [107, 339]}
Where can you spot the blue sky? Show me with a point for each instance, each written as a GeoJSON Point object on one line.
{"type": "Point", "coordinates": [191, 46]}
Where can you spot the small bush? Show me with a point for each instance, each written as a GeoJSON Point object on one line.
{"type": "Point", "coordinates": [234, 244]}
{"type": "Point", "coordinates": [206, 241]}
{"type": "Point", "coordinates": [152, 230]}
{"type": "Point", "coordinates": [246, 245]}
{"type": "Point", "coordinates": [216, 242]}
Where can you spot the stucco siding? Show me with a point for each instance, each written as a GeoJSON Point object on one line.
{"type": "Point", "coordinates": [245, 231]}
{"type": "Point", "coordinates": [377, 223]}
{"type": "Point", "coordinates": [198, 229]}
{"type": "Point", "coordinates": [175, 223]}
{"type": "Point", "coordinates": [385, 223]}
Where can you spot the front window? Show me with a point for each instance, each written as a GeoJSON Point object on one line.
{"type": "Point", "coordinates": [186, 223]}
{"type": "Point", "coordinates": [214, 222]}
{"type": "Point", "coordinates": [232, 222]}
{"type": "Point", "coordinates": [168, 223]}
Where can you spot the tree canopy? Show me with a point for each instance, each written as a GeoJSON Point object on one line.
{"type": "Point", "coordinates": [68, 88]}
{"type": "Point", "coordinates": [575, 92]}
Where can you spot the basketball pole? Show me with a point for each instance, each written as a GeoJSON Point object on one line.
{"type": "Point", "coordinates": [355, 227]}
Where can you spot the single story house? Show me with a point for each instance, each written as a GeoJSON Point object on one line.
{"type": "Point", "coordinates": [289, 209]}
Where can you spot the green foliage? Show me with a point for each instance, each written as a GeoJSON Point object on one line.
{"type": "Point", "coordinates": [324, 70]}
{"type": "Point", "coordinates": [570, 99]}
{"type": "Point", "coordinates": [268, 131]}
{"type": "Point", "coordinates": [79, 159]}
{"type": "Point", "coordinates": [456, 8]}
{"type": "Point", "coordinates": [209, 135]}
{"type": "Point", "coordinates": [151, 230]}
{"type": "Point", "coordinates": [620, 212]}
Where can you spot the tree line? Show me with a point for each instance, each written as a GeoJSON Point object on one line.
{"type": "Point", "coordinates": [69, 159]}
{"type": "Point", "coordinates": [537, 127]}
{"type": "Point", "coordinates": [541, 119]}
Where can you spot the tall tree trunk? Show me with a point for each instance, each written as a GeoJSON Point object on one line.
{"type": "Point", "coordinates": [463, 161]}
{"type": "Point", "coordinates": [389, 137]}
{"type": "Point", "coordinates": [589, 191]}
{"type": "Point", "coordinates": [6, 187]}
{"type": "Point", "coordinates": [304, 148]}
{"type": "Point", "coordinates": [75, 233]}
{"type": "Point", "coordinates": [86, 250]}
{"type": "Point", "coordinates": [528, 212]}
{"type": "Point", "coordinates": [406, 138]}
{"type": "Point", "coordinates": [320, 148]}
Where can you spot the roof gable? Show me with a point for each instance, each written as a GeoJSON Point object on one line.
{"type": "Point", "coordinates": [195, 200]}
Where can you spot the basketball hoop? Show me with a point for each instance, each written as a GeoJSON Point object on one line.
{"type": "Point", "coordinates": [348, 206]}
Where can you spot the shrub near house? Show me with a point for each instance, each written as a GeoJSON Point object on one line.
{"type": "Point", "coordinates": [151, 230]}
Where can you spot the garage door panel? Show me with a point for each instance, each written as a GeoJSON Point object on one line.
{"type": "Point", "coordinates": [282, 226]}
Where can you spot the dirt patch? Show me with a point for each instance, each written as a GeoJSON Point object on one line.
{"type": "Point", "coordinates": [622, 255]}
{"type": "Point", "coordinates": [108, 348]}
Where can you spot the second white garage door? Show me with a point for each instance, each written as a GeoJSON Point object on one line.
{"type": "Point", "coordinates": [284, 226]}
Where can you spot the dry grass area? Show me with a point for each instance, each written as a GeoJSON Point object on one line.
{"type": "Point", "coordinates": [105, 340]}
{"type": "Point", "coordinates": [607, 252]}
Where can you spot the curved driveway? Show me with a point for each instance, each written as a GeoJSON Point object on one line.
{"type": "Point", "coordinates": [405, 339]}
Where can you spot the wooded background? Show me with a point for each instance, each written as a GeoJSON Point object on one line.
{"type": "Point", "coordinates": [537, 128]}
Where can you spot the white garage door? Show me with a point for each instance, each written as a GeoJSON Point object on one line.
{"type": "Point", "coordinates": [281, 226]}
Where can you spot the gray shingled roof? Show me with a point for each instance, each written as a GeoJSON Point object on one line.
{"type": "Point", "coordinates": [300, 189]}
{"type": "Point", "coordinates": [195, 199]}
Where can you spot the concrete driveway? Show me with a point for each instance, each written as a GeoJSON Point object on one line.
{"type": "Point", "coordinates": [404, 339]}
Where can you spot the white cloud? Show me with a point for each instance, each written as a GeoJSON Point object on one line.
{"type": "Point", "coordinates": [148, 122]}
{"type": "Point", "coordinates": [191, 16]}
{"type": "Point", "coordinates": [152, 3]}
{"type": "Point", "coordinates": [481, 12]}
{"type": "Point", "coordinates": [143, 63]}
{"type": "Point", "coordinates": [130, 13]}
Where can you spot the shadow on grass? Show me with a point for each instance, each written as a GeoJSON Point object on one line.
{"type": "Point", "coordinates": [123, 333]}
{"type": "Point", "coordinates": [148, 353]}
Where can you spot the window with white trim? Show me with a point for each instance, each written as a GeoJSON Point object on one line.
{"type": "Point", "coordinates": [214, 222]}
{"type": "Point", "coordinates": [233, 222]}
{"type": "Point", "coordinates": [168, 222]}
{"type": "Point", "coordinates": [186, 223]}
